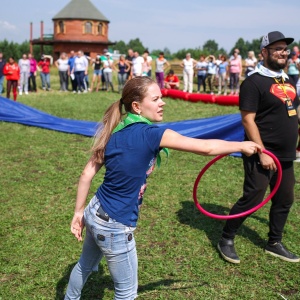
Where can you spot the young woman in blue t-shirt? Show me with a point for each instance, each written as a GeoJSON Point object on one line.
{"type": "Point", "coordinates": [128, 150]}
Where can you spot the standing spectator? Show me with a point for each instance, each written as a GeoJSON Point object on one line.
{"type": "Point", "coordinates": [201, 68]}
{"type": "Point", "coordinates": [160, 64]}
{"type": "Point", "coordinates": [293, 66]}
{"type": "Point", "coordinates": [108, 66]}
{"type": "Point", "coordinates": [260, 59]}
{"type": "Point", "coordinates": [24, 65]}
{"type": "Point", "coordinates": [235, 72]}
{"type": "Point", "coordinates": [123, 67]}
{"type": "Point", "coordinates": [97, 73]}
{"type": "Point", "coordinates": [211, 72]}
{"type": "Point", "coordinates": [129, 58]}
{"type": "Point", "coordinates": [103, 59]}
{"type": "Point", "coordinates": [63, 66]}
{"type": "Point", "coordinates": [80, 69]}
{"type": "Point", "coordinates": [149, 60]}
{"type": "Point", "coordinates": [222, 74]}
{"type": "Point", "coordinates": [12, 73]}
{"type": "Point", "coordinates": [251, 62]}
{"type": "Point", "coordinates": [32, 75]}
{"type": "Point", "coordinates": [86, 75]}
{"type": "Point", "coordinates": [44, 68]}
{"type": "Point", "coordinates": [137, 65]}
{"type": "Point", "coordinates": [171, 81]}
{"type": "Point", "coordinates": [2, 64]}
{"type": "Point", "coordinates": [236, 50]}
{"type": "Point", "coordinates": [269, 123]}
{"type": "Point", "coordinates": [188, 65]}
{"type": "Point", "coordinates": [71, 67]}
{"type": "Point", "coordinates": [145, 66]}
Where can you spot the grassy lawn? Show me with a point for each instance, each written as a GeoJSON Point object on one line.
{"type": "Point", "coordinates": [176, 244]}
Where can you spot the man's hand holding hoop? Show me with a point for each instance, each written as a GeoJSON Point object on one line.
{"type": "Point", "coordinates": [267, 162]}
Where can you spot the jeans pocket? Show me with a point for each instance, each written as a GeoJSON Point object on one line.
{"type": "Point", "coordinates": [103, 239]}
{"type": "Point", "coordinates": [122, 242]}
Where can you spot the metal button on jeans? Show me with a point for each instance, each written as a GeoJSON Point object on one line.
{"type": "Point", "coordinates": [100, 237]}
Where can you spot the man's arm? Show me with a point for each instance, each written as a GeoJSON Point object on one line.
{"type": "Point", "coordinates": [251, 129]}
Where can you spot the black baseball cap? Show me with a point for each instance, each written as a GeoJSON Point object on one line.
{"type": "Point", "coordinates": [273, 37]}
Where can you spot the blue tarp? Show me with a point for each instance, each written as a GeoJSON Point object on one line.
{"type": "Point", "coordinates": [227, 127]}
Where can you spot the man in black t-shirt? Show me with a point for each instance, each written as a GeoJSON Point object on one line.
{"type": "Point", "coordinates": [268, 105]}
{"type": "Point", "coordinates": [129, 59]}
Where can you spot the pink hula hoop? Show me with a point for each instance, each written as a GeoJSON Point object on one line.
{"type": "Point", "coordinates": [245, 213]}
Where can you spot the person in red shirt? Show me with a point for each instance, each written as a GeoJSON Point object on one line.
{"type": "Point", "coordinates": [12, 73]}
{"type": "Point", "coordinates": [171, 81]}
{"type": "Point", "coordinates": [44, 67]}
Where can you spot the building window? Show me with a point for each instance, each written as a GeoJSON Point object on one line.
{"type": "Point", "coordinates": [100, 28]}
{"type": "Point", "coordinates": [61, 27]}
{"type": "Point", "coordinates": [88, 27]}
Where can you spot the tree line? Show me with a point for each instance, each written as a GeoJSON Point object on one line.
{"type": "Point", "coordinates": [209, 47]}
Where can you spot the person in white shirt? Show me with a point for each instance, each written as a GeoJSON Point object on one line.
{"type": "Point", "coordinates": [80, 69]}
{"type": "Point", "coordinates": [188, 65]}
{"type": "Point", "coordinates": [24, 65]}
{"type": "Point", "coordinates": [137, 64]}
{"type": "Point", "coordinates": [108, 67]}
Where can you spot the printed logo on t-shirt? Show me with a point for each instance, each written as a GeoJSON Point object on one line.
{"type": "Point", "coordinates": [277, 91]}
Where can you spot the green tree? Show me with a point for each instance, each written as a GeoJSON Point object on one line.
{"type": "Point", "coordinates": [211, 47]}
{"type": "Point", "coordinates": [136, 45]}
{"type": "Point", "coordinates": [121, 47]}
{"type": "Point", "coordinates": [242, 46]}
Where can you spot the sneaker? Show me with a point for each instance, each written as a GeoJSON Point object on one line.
{"type": "Point", "coordinates": [278, 250]}
{"type": "Point", "coordinates": [26, 93]}
{"type": "Point", "coordinates": [79, 92]}
{"type": "Point", "coordinates": [85, 91]}
{"type": "Point", "coordinates": [74, 92]}
{"type": "Point", "coordinates": [226, 248]}
{"type": "Point", "coordinates": [20, 93]}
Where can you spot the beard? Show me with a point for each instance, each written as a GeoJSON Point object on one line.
{"type": "Point", "coordinates": [274, 65]}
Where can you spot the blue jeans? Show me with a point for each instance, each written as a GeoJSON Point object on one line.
{"type": "Point", "coordinates": [121, 80]}
{"type": "Point", "coordinates": [116, 243]}
{"type": "Point", "coordinates": [45, 77]}
{"type": "Point", "coordinates": [1, 84]}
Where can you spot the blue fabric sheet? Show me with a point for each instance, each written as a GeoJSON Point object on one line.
{"type": "Point", "coordinates": [227, 127]}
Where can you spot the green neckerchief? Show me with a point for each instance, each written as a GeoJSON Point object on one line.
{"type": "Point", "coordinates": [132, 118]}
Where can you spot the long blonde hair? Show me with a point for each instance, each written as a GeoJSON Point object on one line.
{"type": "Point", "coordinates": [135, 90]}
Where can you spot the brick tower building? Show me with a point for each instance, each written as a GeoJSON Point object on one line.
{"type": "Point", "coordinates": [78, 26]}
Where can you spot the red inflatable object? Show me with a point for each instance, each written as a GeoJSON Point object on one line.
{"type": "Point", "coordinates": [177, 94]}
{"type": "Point", "coordinates": [206, 98]}
{"type": "Point", "coordinates": [245, 213]}
{"type": "Point", "coordinates": [231, 100]}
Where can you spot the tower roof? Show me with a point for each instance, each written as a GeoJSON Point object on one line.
{"type": "Point", "coordinates": [80, 10]}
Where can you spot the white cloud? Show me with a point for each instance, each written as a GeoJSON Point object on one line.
{"type": "Point", "coordinates": [7, 26]}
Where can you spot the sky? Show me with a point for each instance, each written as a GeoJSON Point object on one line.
{"type": "Point", "coordinates": [160, 24]}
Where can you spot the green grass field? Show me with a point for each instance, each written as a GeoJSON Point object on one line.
{"type": "Point", "coordinates": [176, 244]}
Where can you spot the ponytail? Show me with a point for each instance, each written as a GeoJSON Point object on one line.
{"type": "Point", "coordinates": [111, 119]}
{"type": "Point", "coordinates": [135, 89]}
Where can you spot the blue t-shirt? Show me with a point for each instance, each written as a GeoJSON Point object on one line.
{"type": "Point", "coordinates": [129, 159]}
{"type": "Point", "coordinates": [223, 67]}
{"type": "Point", "coordinates": [71, 62]}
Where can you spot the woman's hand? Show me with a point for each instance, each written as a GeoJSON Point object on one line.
{"type": "Point", "coordinates": [77, 225]}
{"type": "Point", "coordinates": [250, 148]}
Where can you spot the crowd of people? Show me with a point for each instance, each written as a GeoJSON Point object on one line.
{"type": "Point", "coordinates": [219, 75]}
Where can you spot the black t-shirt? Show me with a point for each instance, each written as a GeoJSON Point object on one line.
{"type": "Point", "coordinates": [129, 58]}
{"type": "Point", "coordinates": [278, 131]}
